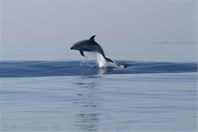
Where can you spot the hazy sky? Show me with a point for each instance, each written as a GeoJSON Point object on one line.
{"type": "Point", "coordinates": [30, 26]}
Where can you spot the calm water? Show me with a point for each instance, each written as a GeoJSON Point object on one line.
{"type": "Point", "coordinates": [64, 96]}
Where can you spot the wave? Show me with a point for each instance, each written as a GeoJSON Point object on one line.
{"type": "Point", "coordinates": [72, 68]}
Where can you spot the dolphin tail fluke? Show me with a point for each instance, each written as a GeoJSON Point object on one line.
{"type": "Point", "coordinates": [108, 59]}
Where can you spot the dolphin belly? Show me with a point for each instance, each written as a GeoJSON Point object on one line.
{"type": "Point", "coordinates": [102, 63]}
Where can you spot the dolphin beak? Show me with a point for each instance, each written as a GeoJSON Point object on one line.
{"type": "Point", "coordinates": [72, 48]}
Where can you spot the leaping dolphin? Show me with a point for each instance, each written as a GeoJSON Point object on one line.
{"type": "Point", "coordinates": [90, 45]}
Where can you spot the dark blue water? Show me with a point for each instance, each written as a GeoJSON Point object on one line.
{"type": "Point", "coordinates": [68, 97]}
{"type": "Point", "coordinates": [71, 68]}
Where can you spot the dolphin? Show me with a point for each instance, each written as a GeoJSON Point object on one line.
{"type": "Point", "coordinates": [90, 45]}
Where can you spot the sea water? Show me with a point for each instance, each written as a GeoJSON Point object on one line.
{"type": "Point", "coordinates": [64, 96]}
{"type": "Point", "coordinates": [156, 92]}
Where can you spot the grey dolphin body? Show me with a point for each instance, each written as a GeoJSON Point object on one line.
{"type": "Point", "coordinates": [89, 45]}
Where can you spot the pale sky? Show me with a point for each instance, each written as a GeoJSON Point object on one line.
{"type": "Point", "coordinates": [31, 26]}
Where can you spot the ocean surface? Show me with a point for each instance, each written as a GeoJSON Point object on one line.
{"type": "Point", "coordinates": [68, 96]}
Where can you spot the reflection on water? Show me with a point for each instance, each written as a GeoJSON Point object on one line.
{"type": "Point", "coordinates": [87, 122]}
{"type": "Point", "coordinates": [88, 118]}
{"type": "Point", "coordinates": [86, 85]}
{"type": "Point", "coordinates": [123, 103]}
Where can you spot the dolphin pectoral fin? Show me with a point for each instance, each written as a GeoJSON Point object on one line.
{"type": "Point", "coordinates": [81, 52]}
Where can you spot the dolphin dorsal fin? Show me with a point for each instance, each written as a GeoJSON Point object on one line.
{"type": "Point", "coordinates": [92, 37]}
